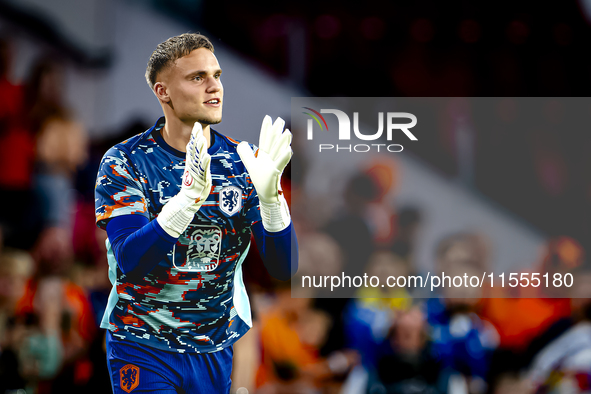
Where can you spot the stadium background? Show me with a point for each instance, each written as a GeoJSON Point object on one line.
{"type": "Point", "coordinates": [73, 85]}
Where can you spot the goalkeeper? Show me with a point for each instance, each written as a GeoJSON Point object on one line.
{"type": "Point", "coordinates": [179, 203]}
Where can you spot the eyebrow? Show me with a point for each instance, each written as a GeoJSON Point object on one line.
{"type": "Point", "coordinates": [203, 72]}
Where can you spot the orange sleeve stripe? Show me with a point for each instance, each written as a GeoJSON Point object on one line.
{"type": "Point", "coordinates": [232, 140]}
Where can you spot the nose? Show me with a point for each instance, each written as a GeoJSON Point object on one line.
{"type": "Point", "coordinates": [215, 85]}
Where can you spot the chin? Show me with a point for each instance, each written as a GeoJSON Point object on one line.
{"type": "Point", "coordinates": [210, 121]}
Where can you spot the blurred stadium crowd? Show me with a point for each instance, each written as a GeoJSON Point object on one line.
{"type": "Point", "coordinates": [54, 284]}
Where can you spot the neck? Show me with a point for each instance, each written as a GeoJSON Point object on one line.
{"type": "Point", "coordinates": [177, 134]}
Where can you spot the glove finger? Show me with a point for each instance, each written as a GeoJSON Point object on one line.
{"type": "Point", "coordinates": [201, 144]}
{"type": "Point", "coordinates": [283, 159]}
{"type": "Point", "coordinates": [192, 164]}
{"type": "Point", "coordinates": [190, 143]}
{"type": "Point", "coordinates": [274, 134]}
{"type": "Point", "coordinates": [246, 155]}
{"type": "Point", "coordinates": [189, 148]}
{"type": "Point", "coordinates": [199, 166]}
{"type": "Point", "coordinates": [208, 178]}
{"type": "Point", "coordinates": [200, 152]}
{"type": "Point", "coordinates": [197, 137]}
{"type": "Point", "coordinates": [265, 133]}
{"type": "Point", "coordinates": [278, 127]}
{"type": "Point", "coordinates": [197, 130]}
{"type": "Point", "coordinates": [205, 180]}
{"type": "Point", "coordinates": [280, 144]}
{"type": "Point", "coordinates": [190, 158]}
{"type": "Point", "coordinates": [205, 167]}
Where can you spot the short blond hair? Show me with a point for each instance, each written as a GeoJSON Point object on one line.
{"type": "Point", "coordinates": [172, 49]}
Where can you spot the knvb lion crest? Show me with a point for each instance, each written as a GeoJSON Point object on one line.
{"type": "Point", "coordinates": [130, 377]}
{"type": "Point", "coordinates": [230, 200]}
{"type": "Point", "coordinates": [198, 249]}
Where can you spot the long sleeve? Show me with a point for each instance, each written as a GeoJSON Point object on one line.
{"type": "Point", "coordinates": [279, 250]}
{"type": "Point", "coordinates": [138, 244]}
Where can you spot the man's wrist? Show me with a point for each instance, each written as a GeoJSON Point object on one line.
{"type": "Point", "coordinates": [177, 214]}
{"type": "Point", "coordinates": [275, 216]}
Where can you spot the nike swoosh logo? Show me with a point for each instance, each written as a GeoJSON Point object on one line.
{"type": "Point", "coordinates": [164, 200]}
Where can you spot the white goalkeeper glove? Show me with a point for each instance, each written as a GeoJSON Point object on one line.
{"type": "Point", "coordinates": [179, 211]}
{"type": "Point", "coordinates": [265, 171]}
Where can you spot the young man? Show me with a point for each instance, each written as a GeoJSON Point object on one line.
{"type": "Point", "coordinates": [179, 202]}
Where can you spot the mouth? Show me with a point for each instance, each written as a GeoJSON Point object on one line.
{"type": "Point", "coordinates": [214, 102]}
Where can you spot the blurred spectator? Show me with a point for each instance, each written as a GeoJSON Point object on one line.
{"type": "Point", "coordinates": [464, 343]}
{"type": "Point", "coordinates": [465, 249]}
{"type": "Point", "coordinates": [380, 214]}
{"type": "Point", "coordinates": [16, 267]}
{"type": "Point", "coordinates": [350, 228]}
{"type": "Point", "coordinates": [88, 239]}
{"type": "Point", "coordinates": [65, 326]}
{"type": "Point", "coordinates": [40, 350]}
{"type": "Point", "coordinates": [291, 336]}
{"type": "Point", "coordinates": [564, 364]}
{"type": "Point", "coordinates": [410, 364]}
{"type": "Point", "coordinates": [321, 256]}
{"type": "Point", "coordinates": [70, 310]}
{"type": "Point", "coordinates": [367, 320]}
{"type": "Point", "coordinates": [31, 337]}
{"type": "Point", "coordinates": [11, 378]}
{"type": "Point", "coordinates": [17, 149]}
{"type": "Point", "coordinates": [85, 370]}
{"type": "Point", "coordinates": [408, 222]}
{"type": "Point", "coordinates": [521, 320]}
{"type": "Point", "coordinates": [61, 148]}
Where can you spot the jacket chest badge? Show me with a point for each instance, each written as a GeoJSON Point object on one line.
{"type": "Point", "coordinates": [230, 200]}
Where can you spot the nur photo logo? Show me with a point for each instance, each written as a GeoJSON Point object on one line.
{"type": "Point", "coordinates": [344, 130]}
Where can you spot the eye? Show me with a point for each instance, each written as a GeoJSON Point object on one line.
{"type": "Point", "coordinates": [217, 76]}
{"type": "Point", "coordinates": [197, 78]}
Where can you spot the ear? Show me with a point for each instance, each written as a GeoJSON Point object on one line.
{"type": "Point", "coordinates": [161, 91]}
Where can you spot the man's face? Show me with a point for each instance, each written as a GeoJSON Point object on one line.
{"type": "Point", "coordinates": [194, 87]}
